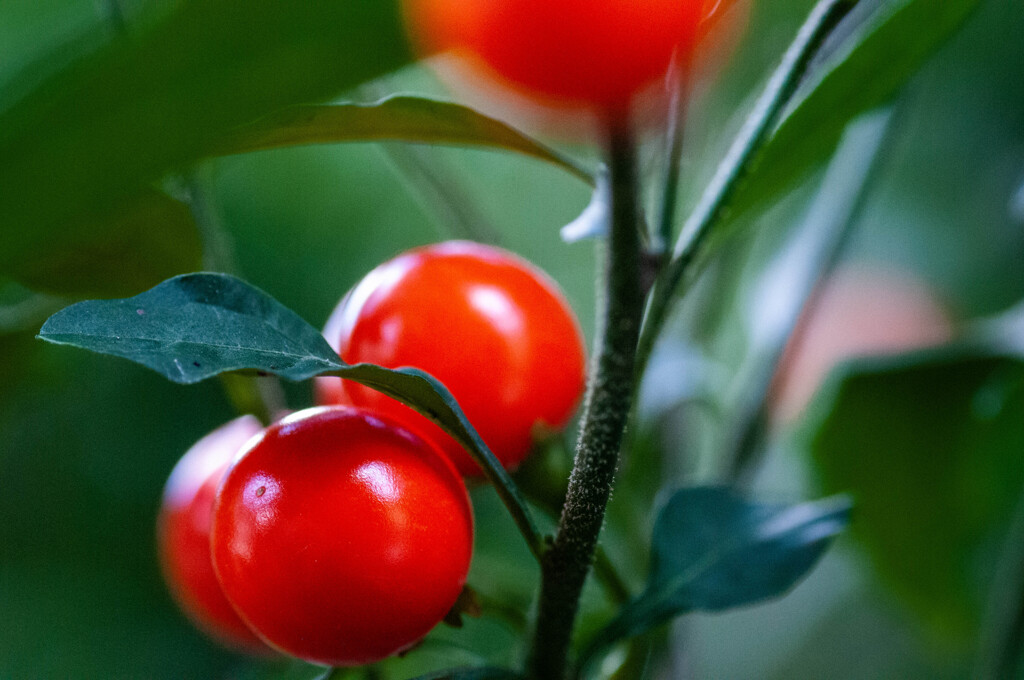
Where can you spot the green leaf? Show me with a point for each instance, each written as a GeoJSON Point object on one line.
{"type": "Point", "coordinates": [398, 118]}
{"type": "Point", "coordinates": [713, 550]}
{"type": "Point", "coordinates": [871, 59]}
{"type": "Point", "coordinates": [151, 102]}
{"type": "Point", "coordinates": [195, 326]}
{"type": "Point", "coordinates": [930, 446]}
{"type": "Point", "coordinates": [472, 674]}
{"type": "Point", "coordinates": [145, 240]}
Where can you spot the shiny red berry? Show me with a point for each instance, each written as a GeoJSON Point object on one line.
{"type": "Point", "coordinates": [183, 534]}
{"type": "Point", "coordinates": [494, 329]}
{"type": "Point", "coordinates": [340, 537]}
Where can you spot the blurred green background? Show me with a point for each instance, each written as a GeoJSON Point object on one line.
{"type": "Point", "coordinates": [86, 442]}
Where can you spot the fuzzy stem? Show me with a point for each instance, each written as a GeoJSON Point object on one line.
{"type": "Point", "coordinates": [568, 561]}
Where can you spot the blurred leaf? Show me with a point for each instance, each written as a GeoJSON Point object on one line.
{"type": "Point", "coordinates": [398, 118]}
{"type": "Point", "coordinates": [930, 447]}
{"type": "Point", "coordinates": [872, 58]}
{"type": "Point", "coordinates": [196, 326]}
{"type": "Point", "coordinates": [473, 674]}
{"type": "Point", "coordinates": [1017, 205]}
{"type": "Point", "coordinates": [145, 241]}
{"type": "Point", "coordinates": [111, 122]}
{"type": "Point", "coordinates": [713, 550]}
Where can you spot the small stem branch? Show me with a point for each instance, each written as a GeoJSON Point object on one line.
{"type": "Point", "coordinates": [755, 131]}
{"type": "Point", "coordinates": [674, 159]}
{"type": "Point", "coordinates": [605, 571]}
{"type": "Point", "coordinates": [568, 561]}
{"type": "Point", "coordinates": [453, 212]}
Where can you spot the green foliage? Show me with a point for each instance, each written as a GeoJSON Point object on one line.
{"type": "Point", "coordinates": [145, 240]}
{"type": "Point", "coordinates": [154, 102]}
{"type": "Point", "coordinates": [89, 128]}
{"type": "Point", "coordinates": [196, 326]}
{"type": "Point", "coordinates": [713, 550]}
{"type": "Point", "coordinates": [402, 118]}
{"type": "Point", "coordinates": [473, 674]}
{"type": "Point", "coordinates": [875, 52]}
{"type": "Point", "coordinates": [929, 446]}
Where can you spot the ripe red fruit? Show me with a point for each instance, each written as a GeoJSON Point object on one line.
{"type": "Point", "coordinates": [594, 53]}
{"type": "Point", "coordinates": [494, 329]}
{"type": "Point", "coordinates": [340, 537]}
{"type": "Point", "coordinates": [183, 534]}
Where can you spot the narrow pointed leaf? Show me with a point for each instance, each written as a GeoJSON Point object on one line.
{"type": "Point", "coordinates": [713, 550]}
{"type": "Point", "coordinates": [398, 118]}
{"type": "Point", "coordinates": [874, 53]}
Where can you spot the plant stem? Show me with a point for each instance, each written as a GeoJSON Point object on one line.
{"type": "Point", "coordinates": [756, 130]}
{"type": "Point", "coordinates": [674, 159]}
{"type": "Point", "coordinates": [566, 564]}
{"type": "Point", "coordinates": [453, 212]}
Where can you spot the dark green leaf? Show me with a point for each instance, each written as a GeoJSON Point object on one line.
{"type": "Point", "coordinates": [116, 119]}
{"type": "Point", "coordinates": [398, 118]}
{"type": "Point", "coordinates": [144, 241]}
{"type": "Point", "coordinates": [930, 446]}
{"type": "Point", "coordinates": [472, 674]}
{"type": "Point", "coordinates": [713, 550]}
{"type": "Point", "coordinates": [196, 326]}
{"type": "Point", "coordinates": [874, 57]}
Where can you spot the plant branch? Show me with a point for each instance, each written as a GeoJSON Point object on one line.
{"type": "Point", "coordinates": [752, 136]}
{"type": "Point", "coordinates": [567, 562]}
{"type": "Point", "coordinates": [674, 159]}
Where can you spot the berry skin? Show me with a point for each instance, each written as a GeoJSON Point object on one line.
{"type": "Point", "coordinates": [340, 537]}
{"type": "Point", "coordinates": [592, 53]}
{"type": "Point", "coordinates": [494, 329]}
{"type": "Point", "coordinates": [183, 534]}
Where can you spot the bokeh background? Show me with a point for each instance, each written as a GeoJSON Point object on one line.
{"type": "Point", "coordinates": [86, 442]}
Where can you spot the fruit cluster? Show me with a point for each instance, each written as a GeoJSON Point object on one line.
{"type": "Point", "coordinates": [342, 534]}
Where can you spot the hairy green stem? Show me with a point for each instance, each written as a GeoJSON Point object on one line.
{"type": "Point", "coordinates": [567, 562]}
{"type": "Point", "coordinates": [756, 130]}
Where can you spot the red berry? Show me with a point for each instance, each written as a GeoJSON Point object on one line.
{"type": "Point", "coordinates": [183, 534]}
{"type": "Point", "coordinates": [340, 537]}
{"type": "Point", "coordinates": [594, 53]}
{"type": "Point", "coordinates": [494, 329]}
